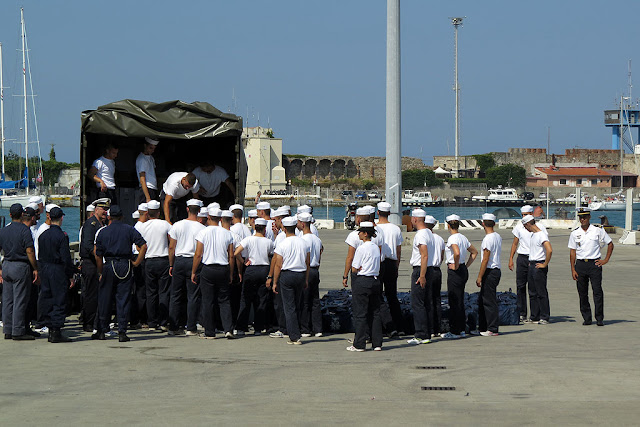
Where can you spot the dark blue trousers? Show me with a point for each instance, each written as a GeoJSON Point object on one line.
{"type": "Point", "coordinates": [117, 278]}
{"type": "Point", "coordinates": [254, 278]}
{"type": "Point", "coordinates": [52, 301]}
{"type": "Point", "coordinates": [185, 296]}
{"type": "Point", "coordinates": [158, 283]}
{"type": "Point", "coordinates": [488, 302]}
{"type": "Point", "coordinates": [456, 281]}
{"type": "Point", "coordinates": [522, 278]}
{"type": "Point", "coordinates": [16, 288]}
{"type": "Point", "coordinates": [290, 287]}
{"type": "Point", "coordinates": [215, 287]}
{"type": "Point", "coordinates": [421, 305]}
{"type": "Point", "coordinates": [539, 298]}
{"type": "Point", "coordinates": [365, 306]}
{"type": "Point", "coordinates": [311, 316]}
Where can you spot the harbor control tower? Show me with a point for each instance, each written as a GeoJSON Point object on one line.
{"type": "Point", "coordinates": [621, 121]}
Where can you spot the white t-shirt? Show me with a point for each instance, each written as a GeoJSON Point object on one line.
{"type": "Point", "coordinates": [354, 241]}
{"type": "Point", "coordinates": [435, 255]}
{"type": "Point", "coordinates": [106, 171]}
{"type": "Point", "coordinates": [536, 247]}
{"type": "Point", "coordinates": [258, 249]}
{"type": "Point", "coordinates": [422, 237]}
{"type": "Point", "coordinates": [240, 230]}
{"type": "Point", "coordinates": [313, 228]}
{"type": "Point", "coordinates": [147, 164]}
{"type": "Point", "coordinates": [155, 233]}
{"type": "Point", "coordinates": [587, 244]}
{"type": "Point", "coordinates": [184, 233]}
{"type": "Point", "coordinates": [463, 244]}
{"type": "Point", "coordinates": [210, 182]}
{"type": "Point", "coordinates": [393, 239]}
{"type": "Point", "coordinates": [268, 231]}
{"type": "Point", "coordinates": [367, 259]}
{"type": "Point", "coordinates": [138, 226]}
{"type": "Point", "coordinates": [492, 242]}
{"type": "Point", "coordinates": [293, 251]}
{"type": "Point", "coordinates": [216, 241]}
{"type": "Point", "coordinates": [315, 245]}
{"type": "Point", "coordinates": [172, 186]}
{"type": "Point", "coordinates": [44, 227]}
{"type": "Point", "coordinates": [524, 237]}
{"type": "Point", "coordinates": [279, 238]}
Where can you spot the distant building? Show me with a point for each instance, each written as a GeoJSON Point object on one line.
{"type": "Point", "coordinates": [264, 161]}
{"type": "Point", "coordinates": [580, 176]}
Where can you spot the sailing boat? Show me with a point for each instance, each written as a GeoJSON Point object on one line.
{"type": "Point", "coordinates": [6, 200]}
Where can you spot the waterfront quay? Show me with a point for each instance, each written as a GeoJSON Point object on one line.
{"type": "Point", "coordinates": [562, 373]}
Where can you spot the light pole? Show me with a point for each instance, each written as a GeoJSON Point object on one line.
{"type": "Point", "coordinates": [457, 22]}
{"type": "Point", "coordinates": [393, 146]}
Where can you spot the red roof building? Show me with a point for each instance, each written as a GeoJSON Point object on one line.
{"type": "Point", "coordinates": [553, 176]}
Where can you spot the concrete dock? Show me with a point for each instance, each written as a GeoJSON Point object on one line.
{"type": "Point", "coordinates": [562, 373]}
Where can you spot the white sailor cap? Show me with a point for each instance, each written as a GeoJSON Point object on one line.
{"type": "Point", "coordinates": [430, 220]}
{"type": "Point", "coordinates": [50, 206]}
{"type": "Point", "coordinates": [418, 213]}
{"type": "Point", "coordinates": [384, 207]}
{"type": "Point", "coordinates": [226, 214]}
{"type": "Point", "coordinates": [236, 207]}
{"type": "Point", "coordinates": [287, 207]}
{"type": "Point", "coordinates": [289, 221]}
{"type": "Point", "coordinates": [135, 215]}
{"type": "Point", "coordinates": [362, 211]}
{"type": "Point", "coordinates": [215, 212]}
{"type": "Point", "coordinates": [366, 225]}
{"type": "Point", "coordinates": [527, 218]}
{"type": "Point", "coordinates": [261, 221]}
{"type": "Point", "coordinates": [488, 217]}
{"type": "Point", "coordinates": [304, 217]}
{"type": "Point", "coordinates": [32, 205]}
{"type": "Point", "coordinates": [35, 199]}
{"type": "Point", "coordinates": [253, 213]}
{"type": "Point", "coordinates": [304, 209]}
{"type": "Point", "coordinates": [281, 211]}
{"type": "Point", "coordinates": [203, 212]}
{"type": "Point", "coordinates": [526, 209]}
{"type": "Point", "coordinates": [370, 209]}
{"type": "Point", "coordinates": [91, 208]}
{"type": "Point", "coordinates": [153, 204]}
{"type": "Point", "coordinates": [143, 207]}
{"type": "Point", "coordinates": [151, 141]}
{"type": "Point", "coordinates": [213, 205]}
{"type": "Point", "coordinates": [263, 206]}
{"type": "Point", "coordinates": [453, 217]}
{"type": "Point", "coordinates": [194, 202]}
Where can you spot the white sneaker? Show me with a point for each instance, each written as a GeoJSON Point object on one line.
{"type": "Point", "coordinates": [276, 334]}
{"type": "Point", "coordinates": [352, 348]}
{"type": "Point", "coordinates": [306, 335]}
{"type": "Point", "coordinates": [488, 334]}
{"type": "Point", "coordinates": [319, 334]}
{"type": "Point", "coordinates": [1, 324]}
{"type": "Point", "coordinates": [229, 335]}
{"type": "Point", "coordinates": [417, 341]}
{"type": "Point", "coordinates": [42, 330]}
{"type": "Point", "coordinates": [377, 349]}
{"type": "Point", "coordinates": [191, 334]}
{"type": "Point", "coordinates": [450, 336]}
{"type": "Point", "coordinates": [111, 334]}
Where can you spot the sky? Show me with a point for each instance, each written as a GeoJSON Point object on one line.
{"type": "Point", "coordinates": [315, 71]}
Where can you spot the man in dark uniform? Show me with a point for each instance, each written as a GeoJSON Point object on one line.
{"type": "Point", "coordinates": [114, 243]}
{"type": "Point", "coordinates": [19, 270]}
{"type": "Point", "coordinates": [56, 271]}
{"type": "Point", "coordinates": [88, 267]}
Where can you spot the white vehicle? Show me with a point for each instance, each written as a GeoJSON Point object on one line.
{"type": "Point", "coordinates": [500, 195]}
{"type": "Point", "coordinates": [571, 198]}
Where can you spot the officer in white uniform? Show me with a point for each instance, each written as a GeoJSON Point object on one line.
{"type": "Point", "coordinates": [311, 315]}
{"type": "Point", "coordinates": [586, 264]}
{"type": "Point", "coordinates": [539, 257]}
{"type": "Point", "coordinates": [421, 304]}
{"type": "Point", "coordinates": [214, 249]}
{"type": "Point", "coordinates": [521, 238]}
{"type": "Point", "coordinates": [291, 276]}
{"type": "Point", "coordinates": [258, 250]}
{"type": "Point", "coordinates": [174, 194]}
{"type": "Point", "coordinates": [156, 268]}
{"type": "Point", "coordinates": [146, 171]}
{"type": "Point", "coordinates": [489, 278]}
{"type": "Point", "coordinates": [182, 248]}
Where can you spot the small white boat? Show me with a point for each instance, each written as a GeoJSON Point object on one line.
{"type": "Point", "coordinates": [500, 195]}
{"type": "Point", "coordinates": [571, 198]}
{"type": "Point", "coordinates": [409, 197]}
{"type": "Point", "coordinates": [612, 205]}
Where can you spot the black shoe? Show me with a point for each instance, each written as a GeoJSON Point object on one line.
{"type": "Point", "coordinates": [49, 337]}
{"type": "Point", "coordinates": [88, 329]}
{"type": "Point", "coordinates": [56, 336]}
{"type": "Point", "coordinates": [122, 337]}
{"type": "Point", "coordinates": [600, 323]}
{"type": "Point", "coordinates": [586, 322]}
{"type": "Point", "coordinates": [98, 336]}
{"type": "Point", "coordinates": [24, 337]}
{"type": "Point", "coordinates": [7, 336]}
{"type": "Point", "coordinates": [33, 333]}
{"type": "Point", "coordinates": [136, 326]}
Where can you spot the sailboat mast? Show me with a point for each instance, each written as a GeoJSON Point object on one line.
{"type": "Point", "coordinates": [24, 84]}
{"type": "Point", "coordinates": [2, 139]}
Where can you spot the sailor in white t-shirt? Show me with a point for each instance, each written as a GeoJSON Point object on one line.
{"type": "Point", "coordinates": [263, 209]}
{"type": "Point", "coordinates": [238, 227]}
{"type": "Point", "coordinates": [434, 274]}
{"type": "Point", "coordinates": [103, 171]}
{"type": "Point", "coordinates": [214, 249]}
{"type": "Point", "coordinates": [175, 191]}
{"type": "Point", "coordinates": [460, 254]}
{"type": "Point", "coordinates": [252, 215]}
{"type": "Point", "coordinates": [203, 216]}
{"type": "Point", "coordinates": [156, 268]}
{"type": "Point", "coordinates": [366, 290]}
{"type": "Point", "coordinates": [146, 171]}
{"type": "Point", "coordinates": [210, 177]}
{"type": "Point", "coordinates": [139, 303]}
{"type": "Point", "coordinates": [585, 243]}
{"type": "Point", "coordinates": [489, 278]}
{"type": "Point", "coordinates": [291, 276]}
{"type": "Point", "coordinates": [185, 295]}
{"type": "Point", "coordinates": [257, 251]}
{"type": "Point", "coordinates": [353, 241]}
{"type": "Point", "coordinates": [539, 257]}
{"type": "Point", "coordinates": [311, 316]}
{"type": "Point", "coordinates": [308, 210]}
{"type": "Point", "coordinates": [521, 238]}
{"type": "Point", "coordinates": [421, 250]}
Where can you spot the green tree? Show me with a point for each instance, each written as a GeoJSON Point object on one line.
{"type": "Point", "coordinates": [484, 161]}
{"type": "Point", "coordinates": [52, 154]}
{"type": "Point", "coordinates": [414, 178]}
{"type": "Point", "coordinates": [508, 175]}
{"type": "Point", "coordinates": [270, 133]}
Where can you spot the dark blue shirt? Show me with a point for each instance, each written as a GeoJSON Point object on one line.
{"type": "Point", "coordinates": [115, 240]}
{"type": "Point", "coordinates": [89, 229]}
{"type": "Point", "coordinates": [15, 238]}
{"type": "Point", "coordinates": [53, 248]}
